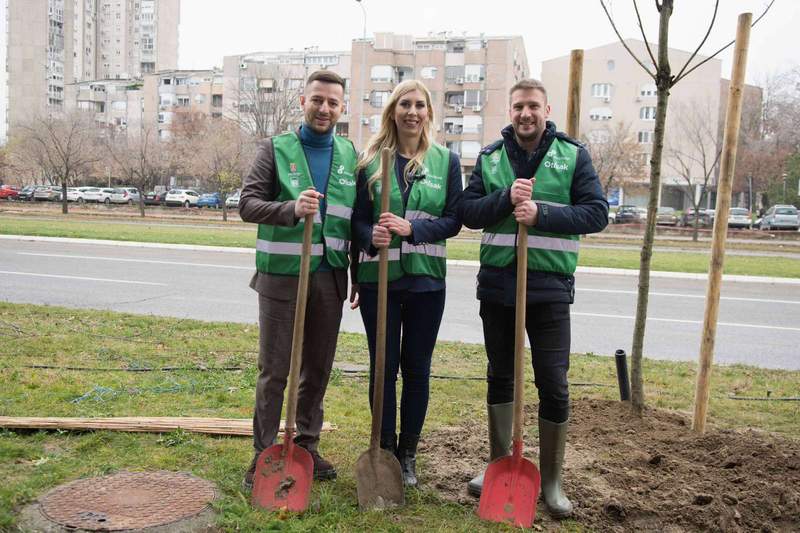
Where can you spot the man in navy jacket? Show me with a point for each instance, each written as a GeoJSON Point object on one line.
{"type": "Point", "coordinates": [543, 179]}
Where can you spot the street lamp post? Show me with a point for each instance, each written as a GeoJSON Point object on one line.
{"type": "Point", "coordinates": [363, 82]}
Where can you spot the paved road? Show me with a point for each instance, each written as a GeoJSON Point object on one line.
{"type": "Point", "coordinates": [758, 321]}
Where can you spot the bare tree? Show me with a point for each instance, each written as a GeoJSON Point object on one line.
{"type": "Point", "coordinates": [219, 152]}
{"type": "Point", "coordinates": [693, 153]}
{"type": "Point", "coordinates": [61, 147]}
{"type": "Point", "coordinates": [139, 156]}
{"type": "Point", "coordinates": [658, 67]}
{"type": "Point", "coordinates": [267, 102]}
{"type": "Point", "coordinates": [615, 155]}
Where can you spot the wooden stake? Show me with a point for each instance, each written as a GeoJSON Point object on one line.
{"type": "Point", "coordinates": [728, 160]}
{"type": "Point", "coordinates": [574, 93]}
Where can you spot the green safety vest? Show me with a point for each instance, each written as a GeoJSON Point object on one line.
{"type": "Point", "coordinates": [547, 252]}
{"type": "Point", "coordinates": [425, 201]}
{"type": "Point", "coordinates": [278, 248]}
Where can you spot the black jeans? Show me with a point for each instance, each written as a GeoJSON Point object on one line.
{"type": "Point", "coordinates": [412, 324]}
{"type": "Point", "coordinates": [548, 327]}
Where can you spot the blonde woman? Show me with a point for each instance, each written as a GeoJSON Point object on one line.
{"type": "Point", "coordinates": [426, 191]}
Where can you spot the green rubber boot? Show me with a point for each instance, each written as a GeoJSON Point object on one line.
{"type": "Point", "coordinates": [501, 416]}
{"type": "Point", "coordinates": [552, 441]}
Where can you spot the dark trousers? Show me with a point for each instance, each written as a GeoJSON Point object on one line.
{"type": "Point", "coordinates": [276, 320]}
{"type": "Point", "coordinates": [548, 328]}
{"type": "Point", "coordinates": [412, 324]}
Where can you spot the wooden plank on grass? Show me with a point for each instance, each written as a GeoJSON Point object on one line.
{"type": "Point", "coordinates": [145, 424]}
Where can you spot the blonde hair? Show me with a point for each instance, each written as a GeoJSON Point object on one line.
{"type": "Point", "coordinates": [387, 135]}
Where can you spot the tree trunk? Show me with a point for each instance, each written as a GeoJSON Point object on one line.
{"type": "Point", "coordinates": [141, 202]}
{"type": "Point", "coordinates": [224, 212]}
{"type": "Point", "coordinates": [696, 226]}
{"type": "Point", "coordinates": [64, 208]}
{"type": "Point", "coordinates": [663, 81]}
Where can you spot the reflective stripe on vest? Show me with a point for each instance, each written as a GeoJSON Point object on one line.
{"type": "Point", "coordinates": [426, 201]}
{"type": "Point", "coordinates": [279, 248]}
{"type": "Point", "coordinates": [547, 252]}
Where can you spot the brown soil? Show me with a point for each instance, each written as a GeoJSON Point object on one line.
{"type": "Point", "coordinates": [648, 474]}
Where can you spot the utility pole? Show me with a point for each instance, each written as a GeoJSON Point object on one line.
{"type": "Point", "coordinates": [363, 83]}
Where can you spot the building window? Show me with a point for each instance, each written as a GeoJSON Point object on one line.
{"type": "Point", "coordinates": [644, 158]}
{"type": "Point", "coordinates": [648, 90]}
{"type": "Point", "coordinates": [374, 123]}
{"type": "Point", "coordinates": [474, 72]}
{"type": "Point", "coordinates": [601, 90]}
{"type": "Point", "coordinates": [610, 64]}
{"type": "Point", "coordinates": [381, 73]}
{"type": "Point", "coordinates": [472, 124]}
{"type": "Point", "coordinates": [454, 146]}
{"type": "Point", "coordinates": [428, 73]}
{"type": "Point", "coordinates": [453, 125]}
{"type": "Point", "coordinates": [647, 113]}
{"type": "Point", "coordinates": [216, 100]}
{"type": "Point", "coordinates": [645, 137]}
{"type": "Point", "coordinates": [378, 98]}
{"type": "Point", "coordinates": [470, 149]}
{"type": "Point", "coordinates": [600, 113]}
{"type": "Point", "coordinates": [472, 98]}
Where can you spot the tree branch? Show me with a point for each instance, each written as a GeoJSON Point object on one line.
{"type": "Point", "coordinates": [621, 40]}
{"type": "Point", "coordinates": [641, 29]}
{"type": "Point", "coordinates": [682, 74]}
{"type": "Point", "coordinates": [699, 46]}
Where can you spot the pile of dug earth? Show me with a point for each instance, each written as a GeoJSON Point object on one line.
{"type": "Point", "coordinates": [643, 474]}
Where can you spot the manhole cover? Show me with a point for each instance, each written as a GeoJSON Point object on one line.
{"type": "Point", "coordinates": [127, 500]}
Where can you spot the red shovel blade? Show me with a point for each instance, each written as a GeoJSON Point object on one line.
{"type": "Point", "coordinates": [510, 490]}
{"type": "Point", "coordinates": [283, 478]}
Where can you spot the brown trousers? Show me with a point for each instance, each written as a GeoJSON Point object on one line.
{"type": "Point", "coordinates": [276, 307]}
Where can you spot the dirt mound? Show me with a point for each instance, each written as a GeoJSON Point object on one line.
{"type": "Point", "coordinates": [649, 474]}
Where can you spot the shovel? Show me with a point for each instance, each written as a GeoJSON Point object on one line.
{"type": "Point", "coordinates": [511, 483]}
{"type": "Point", "coordinates": [284, 472]}
{"type": "Point", "coordinates": [379, 479]}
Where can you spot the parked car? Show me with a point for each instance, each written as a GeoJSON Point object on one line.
{"type": "Point", "coordinates": [125, 195]}
{"type": "Point", "coordinates": [780, 217]}
{"type": "Point", "coordinates": [688, 218]}
{"type": "Point", "coordinates": [155, 198]}
{"type": "Point", "coordinates": [232, 201]}
{"type": "Point", "coordinates": [739, 217]}
{"type": "Point", "coordinates": [627, 214]}
{"type": "Point", "coordinates": [73, 194]}
{"type": "Point", "coordinates": [47, 194]}
{"type": "Point", "coordinates": [211, 199]}
{"type": "Point", "coordinates": [7, 192]}
{"type": "Point", "coordinates": [26, 194]}
{"type": "Point", "coordinates": [184, 197]}
{"type": "Point", "coordinates": [666, 216]}
{"type": "Point", "coordinates": [98, 194]}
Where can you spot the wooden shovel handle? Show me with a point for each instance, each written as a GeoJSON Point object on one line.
{"type": "Point", "coordinates": [299, 325]}
{"type": "Point", "coordinates": [519, 329]}
{"type": "Point", "coordinates": [380, 333]}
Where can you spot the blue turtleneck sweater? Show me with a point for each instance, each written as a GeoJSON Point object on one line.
{"type": "Point", "coordinates": [318, 148]}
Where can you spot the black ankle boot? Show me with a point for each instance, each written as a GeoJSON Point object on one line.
{"type": "Point", "coordinates": [389, 443]}
{"type": "Point", "coordinates": [407, 455]}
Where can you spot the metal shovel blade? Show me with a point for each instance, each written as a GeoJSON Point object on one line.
{"type": "Point", "coordinates": [283, 478]}
{"type": "Point", "coordinates": [379, 480]}
{"type": "Point", "coordinates": [510, 490]}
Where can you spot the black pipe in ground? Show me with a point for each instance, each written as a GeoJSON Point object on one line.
{"type": "Point", "coordinates": [622, 375]}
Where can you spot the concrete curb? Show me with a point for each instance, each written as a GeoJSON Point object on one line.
{"type": "Point", "coordinates": [450, 262]}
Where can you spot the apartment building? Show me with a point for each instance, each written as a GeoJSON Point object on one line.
{"type": "Point", "coordinates": [261, 89]}
{"type": "Point", "coordinates": [469, 78]}
{"type": "Point", "coordinates": [617, 90]}
{"type": "Point", "coordinates": [116, 104]}
{"type": "Point", "coordinates": [52, 44]}
{"type": "Point", "coordinates": [172, 97]}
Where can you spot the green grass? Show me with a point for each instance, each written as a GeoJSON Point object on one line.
{"type": "Point", "coordinates": [33, 462]}
{"type": "Point", "coordinates": [457, 249]}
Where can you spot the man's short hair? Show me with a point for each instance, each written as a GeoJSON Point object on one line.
{"type": "Point", "coordinates": [325, 76]}
{"type": "Point", "coordinates": [526, 84]}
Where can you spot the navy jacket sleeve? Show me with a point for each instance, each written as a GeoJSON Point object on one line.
{"type": "Point", "coordinates": [479, 210]}
{"type": "Point", "coordinates": [589, 210]}
{"type": "Point", "coordinates": [449, 224]}
{"type": "Point", "coordinates": [361, 221]}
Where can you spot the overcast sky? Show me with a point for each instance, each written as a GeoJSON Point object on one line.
{"type": "Point", "coordinates": [211, 30]}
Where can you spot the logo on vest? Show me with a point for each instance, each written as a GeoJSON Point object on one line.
{"type": "Point", "coordinates": [556, 166]}
{"type": "Point", "coordinates": [342, 171]}
{"type": "Point", "coordinates": [294, 175]}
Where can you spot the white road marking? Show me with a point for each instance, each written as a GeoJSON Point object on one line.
{"type": "Point", "coordinates": [698, 296]}
{"type": "Point", "coordinates": [151, 261]}
{"type": "Point", "coordinates": [681, 321]}
{"type": "Point", "coordinates": [83, 279]}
